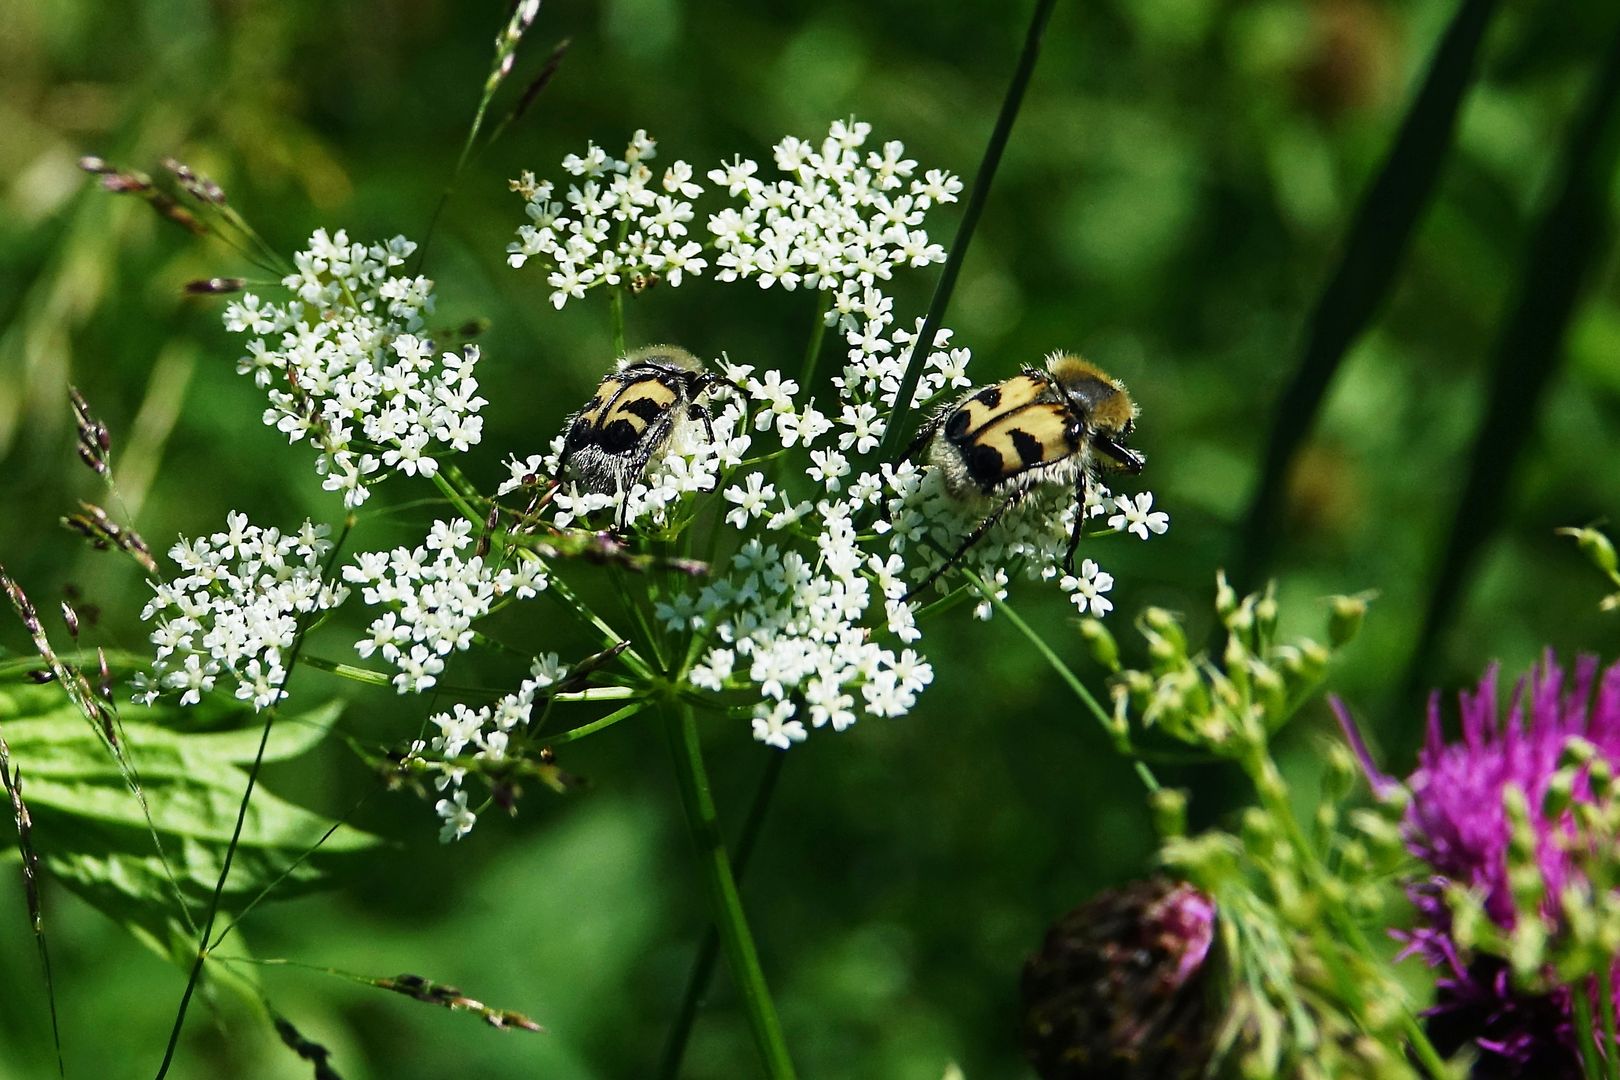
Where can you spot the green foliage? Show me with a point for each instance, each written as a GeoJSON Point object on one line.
{"type": "Point", "coordinates": [139, 858]}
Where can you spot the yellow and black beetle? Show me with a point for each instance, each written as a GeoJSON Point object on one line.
{"type": "Point", "coordinates": [637, 412]}
{"type": "Point", "coordinates": [1055, 425]}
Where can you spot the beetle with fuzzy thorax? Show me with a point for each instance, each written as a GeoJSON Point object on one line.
{"type": "Point", "coordinates": [1057, 425]}
{"type": "Point", "coordinates": [642, 407]}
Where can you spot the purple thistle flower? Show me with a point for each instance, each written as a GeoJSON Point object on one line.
{"type": "Point", "coordinates": [1458, 825]}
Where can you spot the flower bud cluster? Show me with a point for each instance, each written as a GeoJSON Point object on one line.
{"type": "Point", "coordinates": [479, 739]}
{"type": "Point", "coordinates": [1231, 707]}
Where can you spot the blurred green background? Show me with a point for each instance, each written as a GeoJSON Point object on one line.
{"type": "Point", "coordinates": [1171, 202]}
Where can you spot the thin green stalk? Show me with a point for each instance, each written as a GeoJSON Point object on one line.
{"type": "Point", "coordinates": [697, 983]}
{"type": "Point", "coordinates": [1144, 773]}
{"type": "Point", "coordinates": [812, 352]}
{"type": "Point", "coordinates": [1585, 1035]}
{"type": "Point", "coordinates": [639, 618]}
{"type": "Point", "coordinates": [616, 315]}
{"type": "Point", "coordinates": [463, 507]}
{"type": "Point", "coordinates": [562, 594]}
{"type": "Point", "coordinates": [287, 870]}
{"type": "Point", "coordinates": [720, 884]}
{"type": "Point", "coordinates": [595, 725]}
{"type": "Point", "coordinates": [379, 678]}
{"type": "Point", "coordinates": [270, 715]}
{"type": "Point", "coordinates": [970, 220]}
{"type": "Point", "coordinates": [1611, 1044]}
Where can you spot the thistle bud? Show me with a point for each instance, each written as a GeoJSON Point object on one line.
{"type": "Point", "coordinates": [1122, 987]}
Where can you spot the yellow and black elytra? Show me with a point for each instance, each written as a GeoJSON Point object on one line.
{"type": "Point", "coordinates": [634, 415]}
{"type": "Point", "coordinates": [1060, 424]}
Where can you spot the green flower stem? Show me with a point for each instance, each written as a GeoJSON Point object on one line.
{"type": "Point", "coordinates": [1144, 773]}
{"type": "Point", "coordinates": [1611, 1045]}
{"type": "Point", "coordinates": [616, 314]}
{"type": "Point", "coordinates": [562, 594]}
{"type": "Point", "coordinates": [725, 905]}
{"type": "Point", "coordinates": [970, 219]}
{"type": "Point", "coordinates": [463, 507]}
{"type": "Point", "coordinates": [1585, 1035]}
{"type": "Point", "coordinates": [812, 352]}
{"type": "Point", "coordinates": [697, 983]}
{"type": "Point", "coordinates": [380, 678]}
{"type": "Point", "coordinates": [1340, 925]}
{"type": "Point", "coordinates": [595, 725]}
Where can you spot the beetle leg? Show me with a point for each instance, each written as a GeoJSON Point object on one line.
{"type": "Point", "coordinates": [972, 538]}
{"type": "Point", "coordinates": [1080, 485]}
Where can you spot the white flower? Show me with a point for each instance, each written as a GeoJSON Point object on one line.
{"type": "Point", "coordinates": [487, 733]}
{"type": "Point", "coordinates": [628, 230]}
{"type": "Point", "coordinates": [1134, 516]}
{"type": "Point", "coordinates": [1086, 590]}
{"type": "Point", "coordinates": [752, 501]}
{"type": "Point", "coordinates": [775, 726]}
{"type": "Point", "coordinates": [458, 820]}
{"type": "Point", "coordinates": [434, 593]}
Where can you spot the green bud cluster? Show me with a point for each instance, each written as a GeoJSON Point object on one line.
{"type": "Point", "coordinates": [1232, 705]}
{"type": "Point", "coordinates": [1569, 935]}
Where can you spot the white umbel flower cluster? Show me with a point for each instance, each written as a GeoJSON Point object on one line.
{"type": "Point", "coordinates": [621, 224]}
{"type": "Point", "coordinates": [839, 218]}
{"type": "Point", "coordinates": [434, 593]}
{"type": "Point", "coordinates": [235, 609]}
{"type": "Point", "coordinates": [481, 735]}
{"type": "Point", "coordinates": [812, 610]}
{"type": "Point", "coordinates": [346, 365]}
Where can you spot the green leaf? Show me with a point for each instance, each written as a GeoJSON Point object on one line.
{"type": "Point", "coordinates": [94, 835]}
{"type": "Point", "coordinates": [193, 783]}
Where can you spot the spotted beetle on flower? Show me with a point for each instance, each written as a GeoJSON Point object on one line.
{"type": "Point", "coordinates": [650, 400]}
{"type": "Point", "coordinates": [1056, 425]}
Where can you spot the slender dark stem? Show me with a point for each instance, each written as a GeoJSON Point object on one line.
{"type": "Point", "coordinates": [1374, 250]}
{"type": "Point", "coordinates": [970, 220]}
{"type": "Point", "coordinates": [724, 903]}
{"type": "Point", "coordinates": [287, 870]}
{"type": "Point", "coordinates": [213, 905]}
{"type": "Point", "coordinates": [812, 352]}
{"type": "Point", "coordinates": [1570, 237]}
{"type": "Point", "coordinates": [697, 983]}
